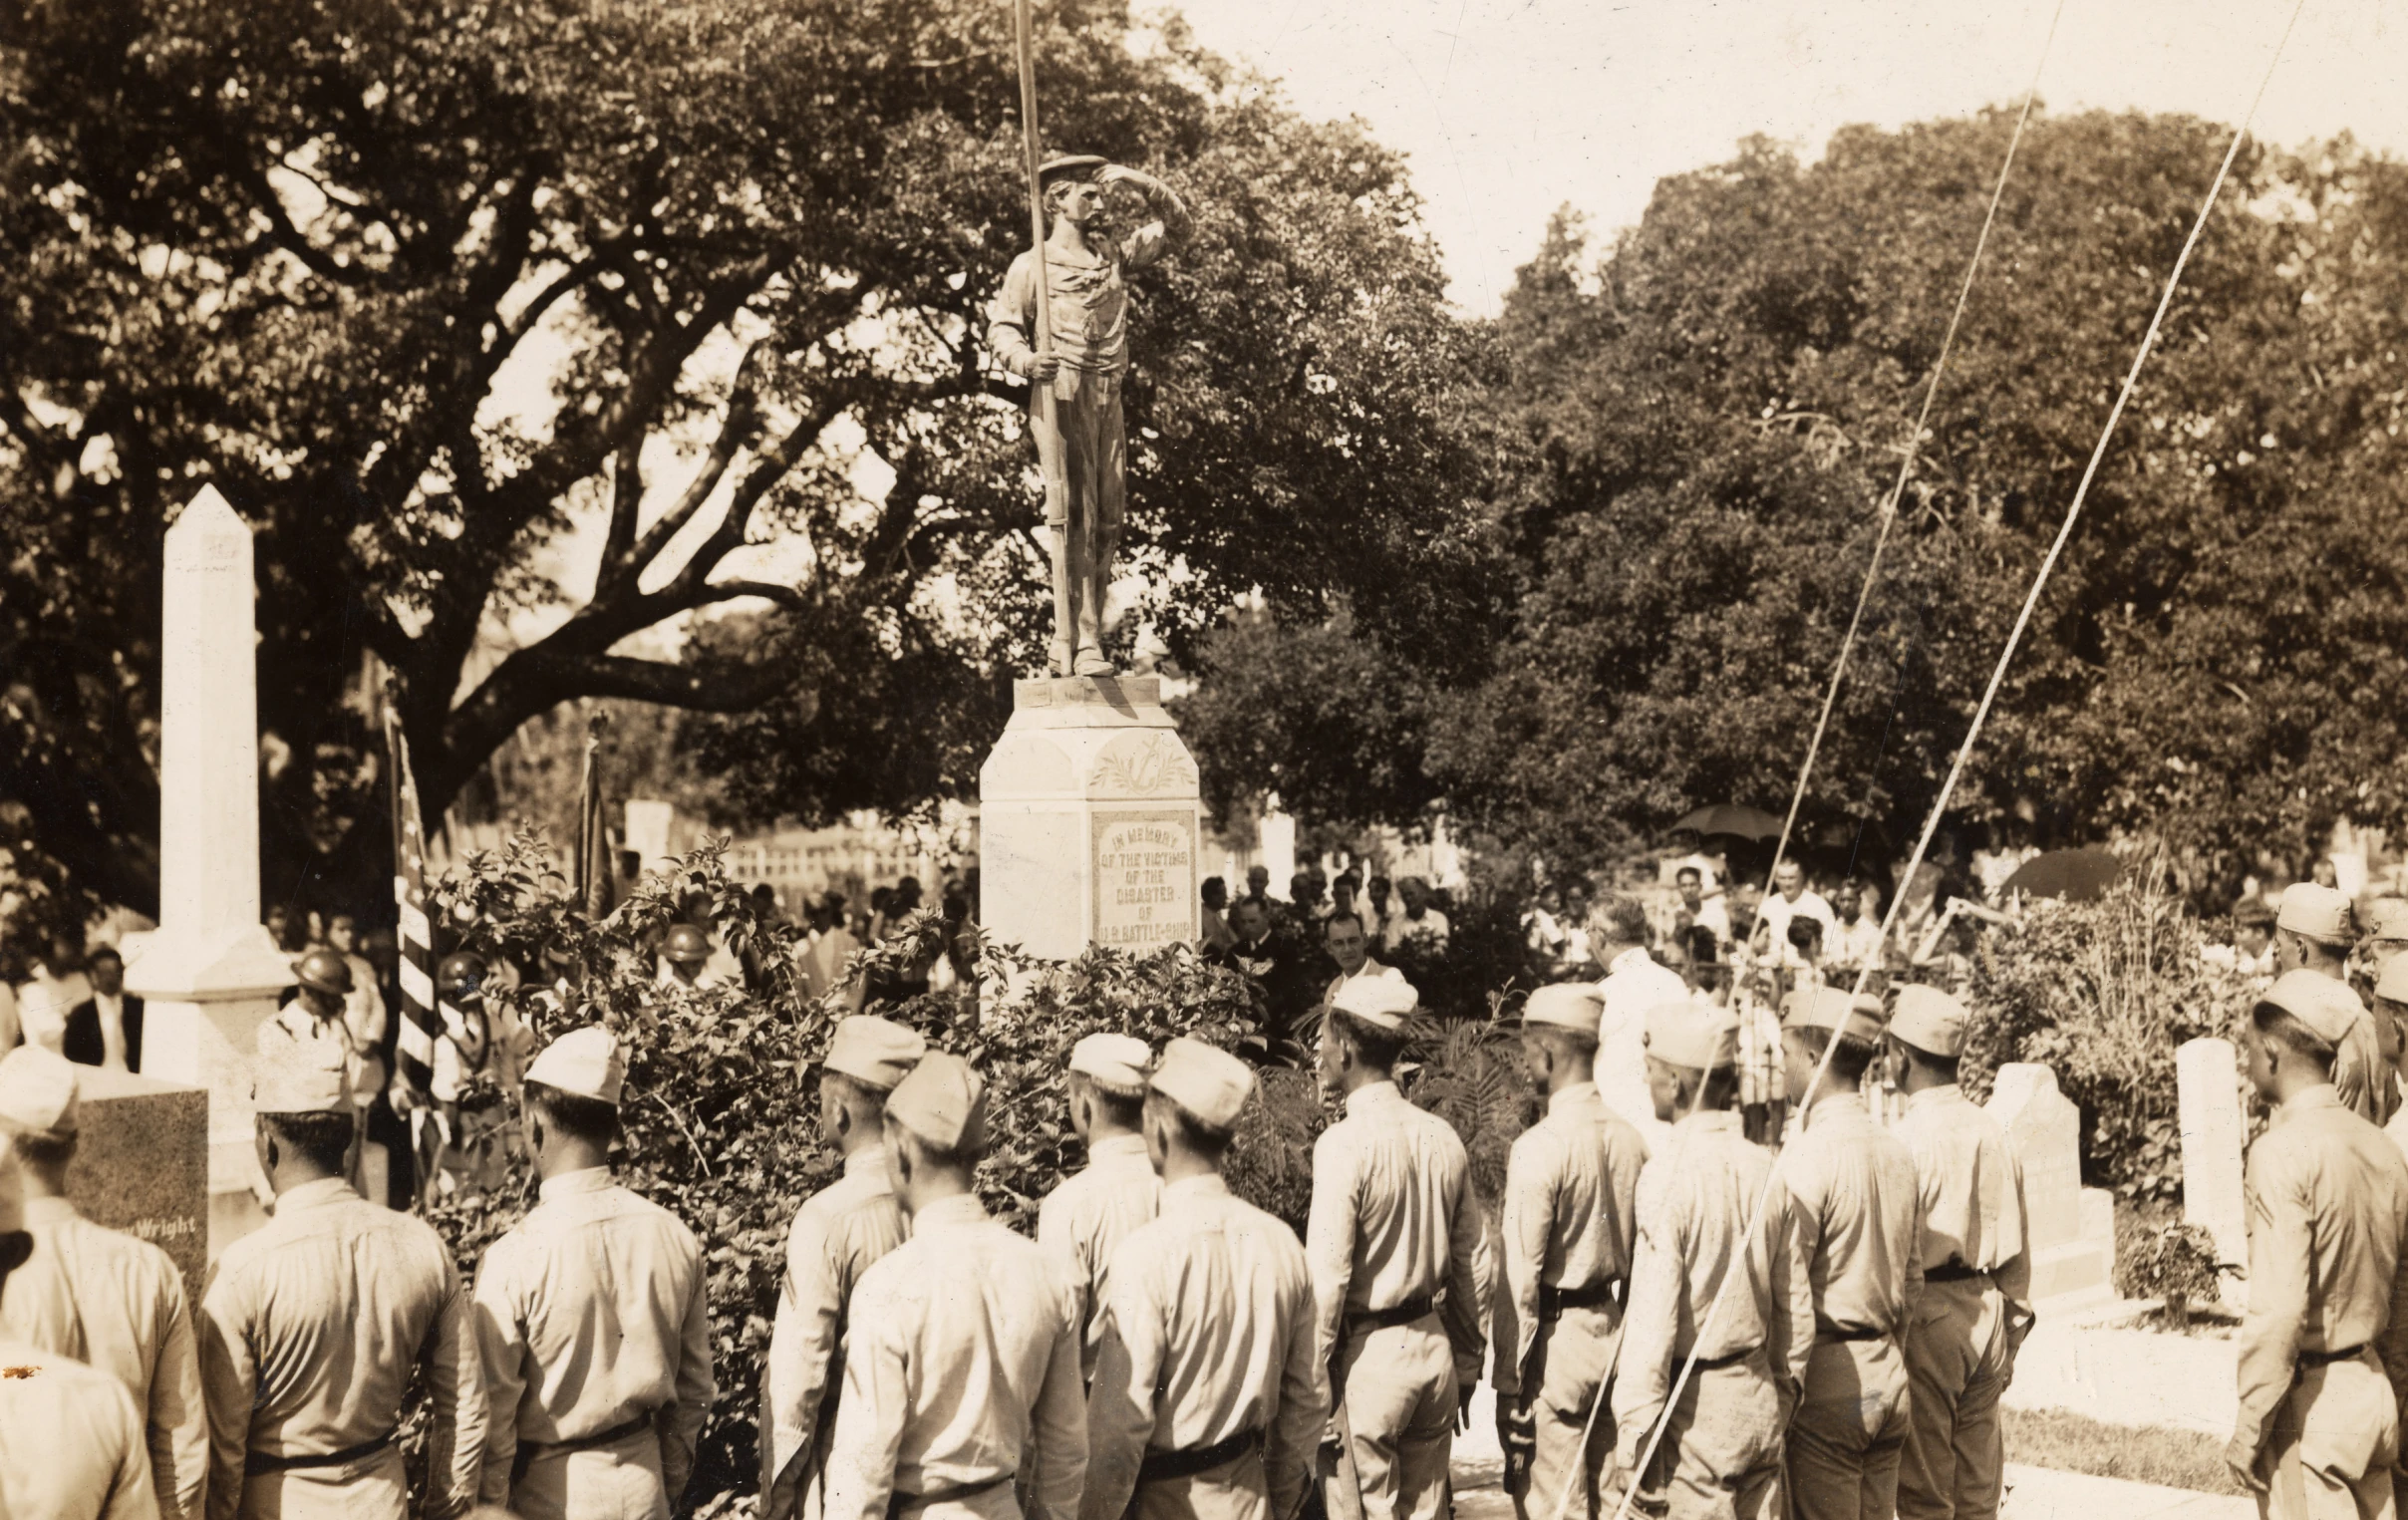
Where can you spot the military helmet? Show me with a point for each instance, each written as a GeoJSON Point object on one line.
{"type": "Point", "coordinates": [687, 945]}
{"type": "Point", "coordinates": [459, 973]}
{"type": "Point", "coordinates": [322, 970]}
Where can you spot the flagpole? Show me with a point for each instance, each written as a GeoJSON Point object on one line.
{"type": "Point", "coordinates": [1024, 26]}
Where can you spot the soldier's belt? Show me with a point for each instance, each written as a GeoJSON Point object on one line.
{"type": "Point", "coordinates": [1554, 1300]}
{"type": "Point", "coordinates": [1850, 1333]}
{"type": "Point", "coordinates": [900, 1501]}
{"type": "Point", "coordinates": [1162, 1466]}
{"type": "Point", "coordinates": [1388, 1319]}
{"type": "Point", "coordinates": [2328, 1359]}
{"type": "Point", "coordinates": [258, 1463]}
{"type": "Point", "coordinates": [1717, 1363]}
{"type": "Point", "coordinates": [1952, 1272]}
{"type": "Point", "coordinates": [529, 1450]}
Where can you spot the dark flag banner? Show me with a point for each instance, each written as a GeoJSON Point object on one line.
{"type": "Point", "coordinates": [421, 1023]}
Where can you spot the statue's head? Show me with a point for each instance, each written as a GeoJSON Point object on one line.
{"type": "Point", "coordinates": [1071, 188]}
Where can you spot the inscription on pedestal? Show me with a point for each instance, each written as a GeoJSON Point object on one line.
{"type": "Point", "coordinates": [1145, 877]}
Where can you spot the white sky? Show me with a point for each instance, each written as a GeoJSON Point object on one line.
{"type": "Point", "coordinates": [1511, 107]}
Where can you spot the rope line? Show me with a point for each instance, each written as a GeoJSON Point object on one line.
{"type": "Point", "coordinates": [1905, 465]}
{"type": "Point", "coordinates": [1981, 714]}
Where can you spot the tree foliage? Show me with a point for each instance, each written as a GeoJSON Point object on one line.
{"type": "Point", "coordinates": [592, 320]}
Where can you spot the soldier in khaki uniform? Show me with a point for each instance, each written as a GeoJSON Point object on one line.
{"type": "Point", "coordinates": [962, 1370]}
{"type": "Point", "coordinates": [2391, 1002]}
{"type": "Point", "coordinates": [1721, 1454]}
{"type": "Point", "coordinates": [2315, 931]}
{"type": "Point", "coordinates": [2318, 1426]}
{"type": "Point", "coordinates": [110, 1301]}
{"type": "Point", "coordinates": [1851, 1194]}
{"type": "Point", "coordinates": [1085, 1218]}
{"type": "Point", "coordinates": [71, 1443]}
{"type": "Point", "coordinates": [1976, 1306]}
{"type": "Point", "coordinates": [1570, 1222]}
{"type": "Point", "coordinates": [592, 1316]}
{"type": "Point", "coordinates": [838, 1233]}
{"type": "Point", "coordinates": [1207, 1402]}
{"type": "Point", "coordinates": [1393, 1226]}
{"type": "Point", "coordinates": [313, 1325]}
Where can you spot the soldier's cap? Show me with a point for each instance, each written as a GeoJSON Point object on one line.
{"type": "Point", "coordinates": [686, 945]}
{"type": "Point", "coordinates": [2327, 1007]}
{"type": "Point", "coordinates": [1070, 166]}
{"type": "Point", "coordinates": [877, 1053]}
{"type": "Point", "coordinates": [300, 1076]}
{"type": "Point", "coordinates": [1930, 1019]}
{"type": "Point", "coordinates": [1381, 1001]}
{"type": "Point", "coordinates": [1831, 1008]}
{"type": "Point", "coordinates": [2387, 919]}
{"type": "Point", "coordinates": [37, 1094]}
{"type": "Point", "coordinates": [1565, 1005]}
{"type": "Point", "coordinates": [1115, 1063]}
{"type": "Point", "coordinates": [584, 1062]}
{"type": "Point", "coordinates": [2392, 985]}
{"type": "Point", "coordinates": [1692, 1033]}
{"type": "Point", "coordinates": [1209, 1083]}
{"type": "Point", "coordinates": [2321, 913]}
{"type": "Point", "coordinates": [942, 1102]}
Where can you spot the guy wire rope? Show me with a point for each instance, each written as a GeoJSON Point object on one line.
{"type": "Point", "coordinates": [1981, 714]}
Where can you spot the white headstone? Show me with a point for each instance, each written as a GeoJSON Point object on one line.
{"type": "Point", "coordinates": [212, 973]}
{"type": "Point", "coordinates": [2207, 1089]}
{"type": "Point", "coordinates": [2072, 1236]}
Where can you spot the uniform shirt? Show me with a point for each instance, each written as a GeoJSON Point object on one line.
{"type": "Point", "coordinates": [1694, 1201]}
{"type": "Point", "coordinates": [1971, 1189]}
{"type": "Point", "coordinates": [1082, 1222]}
{"type": "Point", "coordinates": [1207, 1333]}
{"type": "Point", "coordinates": [2362, 1074]}
{"type": "Point", "coordinates": [590, 1312]}
{"type": "Point", "coordinates": [1852, 1192]}
{"type": "Point", "coordinates": [839, 1231]}
{"type": "Point", "coordinates": [1570, 1214]}
{"type": "Point", "coordinates": [1392, 1220]}
{"type": "Point", "coordinates": [294, 1027]}
{"type": "Point", "coordinates": [2398, 1130]}
{"type": "Point", "coordinates": [1087, 302]}
{"type": "Point", "coordinates": [962, 1359]}
{"type": "Point", "coordinates": [71, 1446]}
{"type": "Point", "coordinates": [117, 1305]}
{"type": "Point", "coordinates": [313, 1325]}
{"type": "Point", "coordinates": [2329, 1202]}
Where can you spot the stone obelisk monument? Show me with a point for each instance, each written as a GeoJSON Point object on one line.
{"type": "Point", "coordinates": [212, 973]}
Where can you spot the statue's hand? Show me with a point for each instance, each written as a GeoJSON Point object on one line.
{"type": "Point", "coordinates": [1044, 367]}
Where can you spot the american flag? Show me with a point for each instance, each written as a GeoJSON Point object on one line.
{"type": "Point", "coordinates": [421, 1023]}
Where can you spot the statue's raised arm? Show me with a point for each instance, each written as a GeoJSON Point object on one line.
{"type": "Point", "coordinates": [1077, 356]}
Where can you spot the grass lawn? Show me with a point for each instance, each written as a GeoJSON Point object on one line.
{"type": "Point", "coordinates": [2071, 1443]}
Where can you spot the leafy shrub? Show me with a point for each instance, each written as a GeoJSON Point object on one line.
{"type": "Point", "coordinates": [2176, 1263]}
{"type": "Point", "coordinates": [2103, 993]}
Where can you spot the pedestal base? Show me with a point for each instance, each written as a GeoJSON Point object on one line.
{"type": "Point", "coordinates": [208, 1045]}
{"type": "Point", "coordinates": [1088, 821]}
{"type": "Point", "coordinates": [141, 1164]}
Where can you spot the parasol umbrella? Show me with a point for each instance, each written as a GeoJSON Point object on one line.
{"type": "Point", "coordinates": [1734, 819]}
{"type": "Point", "coordinates": [2075, 875]}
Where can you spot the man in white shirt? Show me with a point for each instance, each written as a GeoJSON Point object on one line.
{"type": "Point", "coordinates": [1419, 920]}
{"type": "Point", "coordinates": [1859, 941]}
{"type": "Point", "coordinates": [1350, 948]}
{"type": "Point", "coordinates": [1790, 897]}
{"type": "Point", "coordinates": [1633, 984]}
{"type": "Point", "coordinates": [1710, 913]}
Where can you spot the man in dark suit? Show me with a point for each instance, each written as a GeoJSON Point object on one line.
{"type": "Point", "coordinates": [106, 1029]}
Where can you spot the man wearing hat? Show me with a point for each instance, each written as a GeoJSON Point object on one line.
{"type": "Point", "coordinates": [2315, 931]}
{"type": "Point", "coordinates": [1570, 1221]}
{"type": "Point", "coordinates": [1393, 1226]}
{"type": "Point", "coordinates": [71, 1443]}
{"type": "Point", "coordinates": [685, 959]}
{"type": "Point", "coordinates": [314, 1022]}
{"type": "Point", "coordinates": [1207, 1402]}
{"type": "Point", "coordinates": [1085, 1218]}
{"type": "Point", "coordinates": [2317, 1431]}
{"type": "Point", "coordinates": [1082, 359]}
{"type": "Point", "coordinates": [838, 1234]}
{"type": "Point", "coordinates": [962, 1370]}
{"type": "Point", "coordinates": [2391, 1002]}
{"type": "Point", "coordinates": [314, 1323]}
{"type": "Point", "coordinates": [1850, 1194]}
{"type": "Point", "coordinates": [592, 1316]}
{"type": "Point", "coordinates": [110, 1301]}
{"type": "Point", "coordinates": [1720, 1454]}
{"type": "Point", "coordinates": [1976, 1304]}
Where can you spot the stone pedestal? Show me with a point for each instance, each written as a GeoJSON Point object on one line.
{"type": "Point", "coordinates": [2070, 1228]}
{"type": "Point", "coordinates": [212, 973]}
{"type": "Point", "coordinates": [141, 1163]}
{"type": "Point", "coordinates": [1088, 821]}
{"type": "Point", "coordinates": [2208, 1089]}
